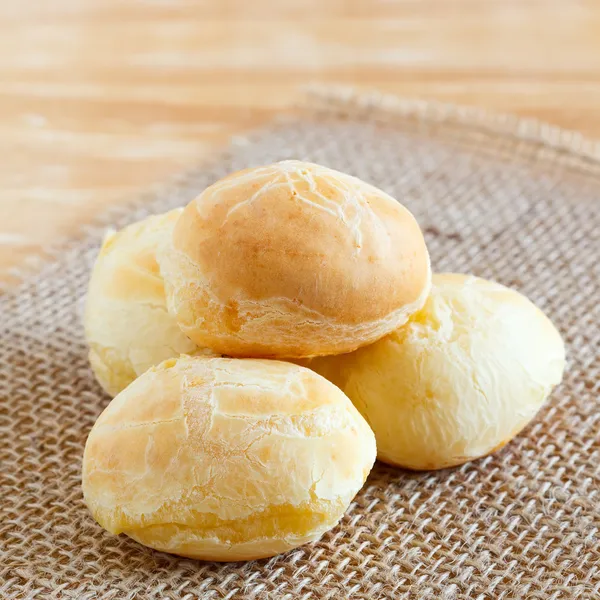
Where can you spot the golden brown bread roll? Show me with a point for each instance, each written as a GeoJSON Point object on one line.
{"type": "Point", "coordinates": [459, 380]}
{"type": "Point", "coordinates": [127, 325]}
{"type": "Point", "coordinates": [226, 459]}
{"type": "Point", "coordinates": [293, 259]}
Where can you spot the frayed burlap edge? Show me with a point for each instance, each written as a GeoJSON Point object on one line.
{"type": "Point", "coordinates": [350, 103]}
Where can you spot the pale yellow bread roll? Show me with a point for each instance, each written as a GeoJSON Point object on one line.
{"type": "Point", "coordinates": [226, 459]}
{"type": "Point", "coordinates": [293, 259]}
{"type": "Point", "coordinates": [127, 324]}
{"type": "Point", "coordinates": [459, 380]}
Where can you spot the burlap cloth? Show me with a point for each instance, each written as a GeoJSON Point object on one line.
{"type": "Point", "coordinates": [510, 200]}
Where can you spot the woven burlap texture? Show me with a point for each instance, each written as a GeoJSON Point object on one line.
{"type": "Point", "coordinates": [507, 200]}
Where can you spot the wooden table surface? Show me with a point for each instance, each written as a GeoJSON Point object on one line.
{"type": "Point", "coordinates": [100, 99]}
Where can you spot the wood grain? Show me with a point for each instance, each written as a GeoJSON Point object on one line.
{"type": "Point", "coordinates": [100, 99]}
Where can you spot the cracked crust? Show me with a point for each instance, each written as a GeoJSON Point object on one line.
{"type": "Point", "coordinates": [459, 380]}
{"type": "Point", "coordinates": [293, 260]}
{"type": "Point", "coordinates": [127, 325]}
{"type": "Point", "coordinates": [226, 459]}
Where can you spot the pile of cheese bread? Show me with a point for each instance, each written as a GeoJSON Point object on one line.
{"type": "Point", "coordinates": [267, 342]}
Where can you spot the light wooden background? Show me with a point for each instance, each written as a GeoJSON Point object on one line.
{"type": "Point", "coordinates": [99, 99]}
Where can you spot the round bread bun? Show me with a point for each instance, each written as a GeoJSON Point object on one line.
{"type": "Point", "coordinates": [459, 380]}
{"type": "Point", "coordinates": [226, 459]}
{"type": "Point", "coordinates": [127, 325]}
{"type": "Point", "coordinates": [293, 260]}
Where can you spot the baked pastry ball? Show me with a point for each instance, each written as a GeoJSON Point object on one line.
{"type": "Point", "coordinates": [127, 325]}
{"type": "Point", "coordinates": [459, 380]}
{"type": "Point", "coordinates": [226, 459]}
{"type": "Point", "coordinates": [293, 260]}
